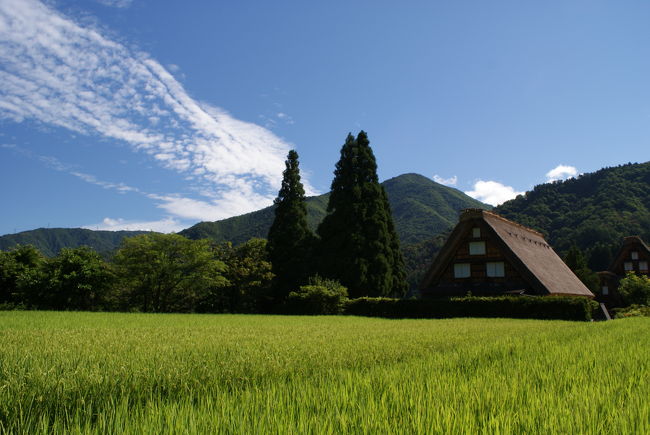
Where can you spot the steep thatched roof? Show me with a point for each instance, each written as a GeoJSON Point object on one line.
{"type": "Point", "coordinates": [629, 242]}
{"type": "Point", "coordinates": [525, 249]}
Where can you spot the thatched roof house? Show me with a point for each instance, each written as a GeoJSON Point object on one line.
{"type": "Point", "coordinates": [487, 254]}
{"type": "Point", "coordinates": [633, 256]}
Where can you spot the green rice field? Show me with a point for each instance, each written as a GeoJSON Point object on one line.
{"type": "Point", "coordinates": [66, 372]}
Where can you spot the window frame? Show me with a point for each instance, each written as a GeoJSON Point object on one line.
{"type": "Point", "coordinates": [481, 251]}
{"type": "Point", "coordinates": [466, 269]}
{"type": "Point", "coordinates": [495, 269]}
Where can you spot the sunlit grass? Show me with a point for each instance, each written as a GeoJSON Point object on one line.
{"type": "Point", "coordinates": [138, 373]}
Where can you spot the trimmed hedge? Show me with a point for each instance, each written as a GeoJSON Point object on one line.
{"type": "Point", "coordinates": [322, 297]}
{"type": "Point", "coordinates": [519, 307]}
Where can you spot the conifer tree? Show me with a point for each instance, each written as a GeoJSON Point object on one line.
{"type": "Point", "coordinates": [359, 245]}
{"type": "Point", "coordinates": [576, 261]}
{"type": "Point", "coordinates": [290, 240]}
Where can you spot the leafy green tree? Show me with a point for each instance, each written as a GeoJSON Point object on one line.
{"type": "Point", "coordinates": [359, 246]}
{"type": "Point", "coordinates": [577, 262]}
{"type": "Point", "coordinates": [290, 240]}
{"type": "Point", "coordinates": [76, 279]}
{"type": "Point", "coordinates": [166, 272]}
{"type": "Point", "coordinates": [635, 289]}
{"type": "Point", "coordinates": [249, 276]}
{"type": "Point", "coordinates": [19, 271]}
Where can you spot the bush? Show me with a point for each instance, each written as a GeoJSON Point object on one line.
{"type": "Point", "coordinates": [321, 296]}
{"type": "Point", "coordinates": [10, 306]}
{"type": "Point", "coordinates": [561, 308]}
{"type": "Point", "coordinates": [632, 311]}
{"type": "Point", "coordinates": [635, 289]}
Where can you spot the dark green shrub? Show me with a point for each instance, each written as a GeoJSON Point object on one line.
{"type": "Point", "coordinates": [632, 311]}
{"type": "Point", "coordinates": [520, 307]}
{"type": "Point", "coordinates": [635, 289]}
{"type": "Point", "coordinates": [321, 296]}
{"type": "Point", "coordinates": [10, 306]}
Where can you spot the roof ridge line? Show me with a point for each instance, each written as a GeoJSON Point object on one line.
{"type": "Point", "coordinates": [498, 216]}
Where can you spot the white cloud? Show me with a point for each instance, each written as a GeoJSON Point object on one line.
{"type": "Point", "coordinates": [166, 225]}
{"type": "Point", "coordinates": [561, 172]}
{"type": "Point", "coordinates": [116, 3]}
{"type": "Point", "coordinates": [492, 192]}
{"type": "Point", "coordinates": [286, 118]}
{"type": "Point", "coordinates": [57, 72]}
{"type": "Point", "coordinates": [216, 207]}
{"type": "Point", "coordinates": [446, 181]}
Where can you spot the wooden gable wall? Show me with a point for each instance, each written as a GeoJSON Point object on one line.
{"type": "Point", "coordinates": [610, 279]}
{"type": "Point", "coordinates": [625, 255]}
{"type": "Point", "coordinates": [479, 282]}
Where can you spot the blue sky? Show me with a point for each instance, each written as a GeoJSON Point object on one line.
{"type": "Point", "coordinates": [156, 114]}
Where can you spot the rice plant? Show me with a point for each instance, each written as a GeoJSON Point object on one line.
{"type": "Point", "coordinates": [148, 373]}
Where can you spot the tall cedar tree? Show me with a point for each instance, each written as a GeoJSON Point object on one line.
{"type": "Point", "coordinates": [290, 240]}
{"type": "Point", "coordinates": [359, 245]}
{"type": "Point", "coordinates": [576, 261]}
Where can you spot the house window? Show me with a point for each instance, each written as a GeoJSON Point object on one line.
{"type": "Point", "coordinates": [476, 232]}
{"type": "Point", "coordinates": [643, 266]}
{"type": "Point", "coordinates": [496, 269]}
{"type": "Point", "coordinates": [476, 248]}
{"type": "Point", "coordinates": [605, 290]}
{"type": "Point", "coordinates": [628, 266]}
{"type": "Point", "coordinates": [462, 270]}
{"type": "Point", "coordinates": [635, 255]}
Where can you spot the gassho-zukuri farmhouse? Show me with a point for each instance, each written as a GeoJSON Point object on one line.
{"type": "Point", "coordinates": [487, 254]}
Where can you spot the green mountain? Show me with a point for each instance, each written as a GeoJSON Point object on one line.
{"type": "Point", "coordinates": [421, 209]}
{"type": "Point", "coordinates": [594, 211]}
{"type": "Point", "coordinates": [50, 240]}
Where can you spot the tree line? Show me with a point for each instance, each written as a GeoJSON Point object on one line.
{"type": "Point", "coordinates": [355, 252]}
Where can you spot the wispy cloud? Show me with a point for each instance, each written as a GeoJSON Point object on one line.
{"type": "Point", "coordinates": [561, 172]}
{"type": "Point", "coordinates": [492, 192]}
{"type": "Point", "coordinates": [58, 72]}
{"type": "Point", "coordinates": [116, 3]}
{"type": "Point", "coordinates": [181, 209]}
{"type": "Point", "coordinates": [284, 117]}
{"type": "Point", "coordinates": [166, 225]}
{"type": "Point", "coordinates": [446, 181]}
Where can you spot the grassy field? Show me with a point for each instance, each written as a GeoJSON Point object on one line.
{"type": "Point", "coordinates": [138, 373]}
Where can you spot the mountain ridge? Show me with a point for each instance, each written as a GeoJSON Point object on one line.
{"type": "Point", "coordinates": [421, 209]}
{"type": "Point", "coordinates": [438, 207]}
{"type": "Point", "coordinates": [51, 240]}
